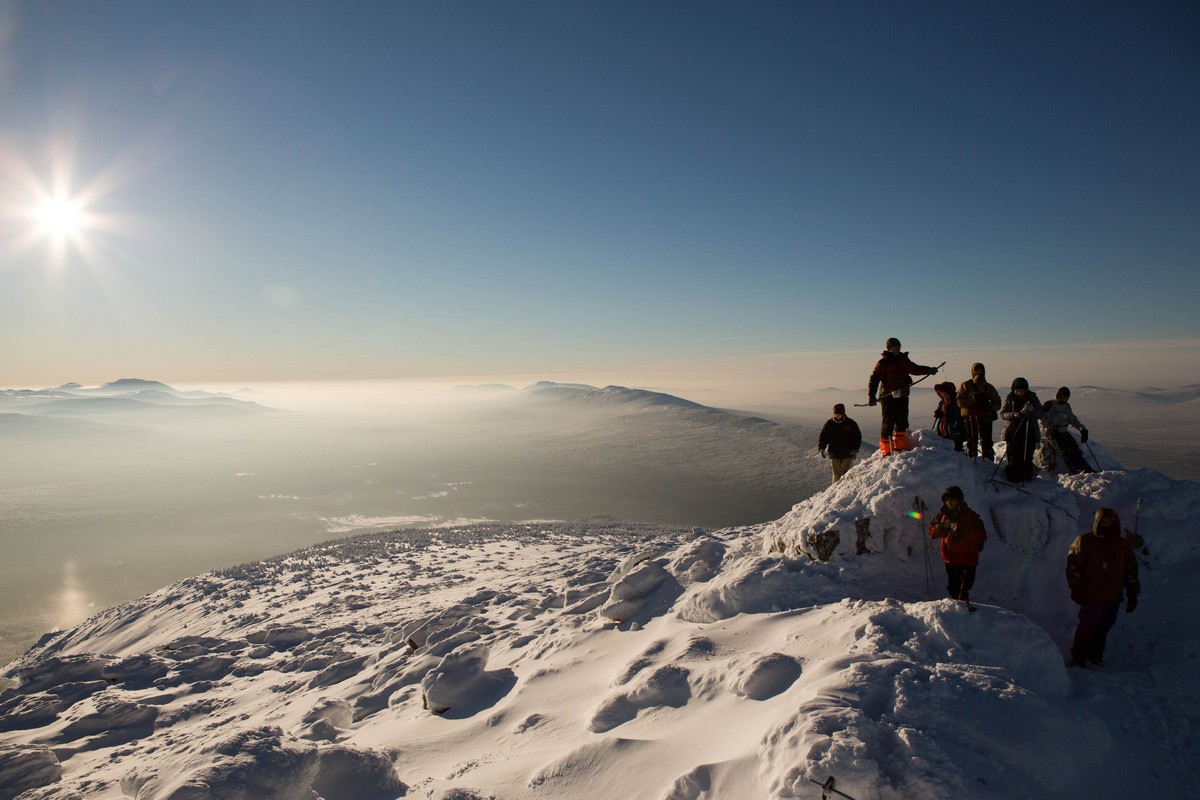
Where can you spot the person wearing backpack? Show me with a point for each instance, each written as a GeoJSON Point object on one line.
{"type": "Point", "coordinates": [948, 417]}
{"type": "Point", "coordinates": [1059, 415]}
{"type": "Point", "coordinates": [978, 402]}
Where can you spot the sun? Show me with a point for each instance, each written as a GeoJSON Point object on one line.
{"type": "Point", "coordinates": [61, 218]}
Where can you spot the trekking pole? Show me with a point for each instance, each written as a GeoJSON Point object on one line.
{"type": "Point", "coordinates": [828, 786]}
{"type": "Point", "coordinates": [964, 599]}
{"type": "Point", "coordinates": [918, 514]}
{"type": "Point", "coordinates": [1020, 426]}
{"type": "Point", "coordinates": [1089, 447]}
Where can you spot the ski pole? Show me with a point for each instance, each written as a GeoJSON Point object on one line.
{"type": "Point", "coordinates": [828, 786]}
{"type": "Point", "coordinates": [1089, 447]}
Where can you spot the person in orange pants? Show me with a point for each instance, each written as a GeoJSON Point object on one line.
{"type": "Point", "coordinates": [889, 388]}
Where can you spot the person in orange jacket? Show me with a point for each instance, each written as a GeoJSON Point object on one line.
{"type": "Point", "coordinates": [962, 534]}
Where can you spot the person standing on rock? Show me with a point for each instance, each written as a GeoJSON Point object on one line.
{"type": "Point", "coordinates": [891, 379]}
{"type": "Point", "coordinates": [842, 438]}
{"type": "Point", "coordinates": [962, 535]}
{"type": "Point", "coordinates": [1102, 570]}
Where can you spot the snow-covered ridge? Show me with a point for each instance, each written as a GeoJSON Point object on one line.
{"type": "Point", "coordinates": [607, 659]}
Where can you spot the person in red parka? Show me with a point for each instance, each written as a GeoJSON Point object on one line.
{"type": "Point", "coordinates": [962, 534]}
{"type": "Point", "coordinates": [891, 379]}
{"type": "Point", "coordinates": [1102, 570]}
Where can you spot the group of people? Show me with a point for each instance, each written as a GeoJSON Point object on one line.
{"type": "Point", "coordinates": [1102, 570]}
{"type": "Point", "coordinates": [966, 415]}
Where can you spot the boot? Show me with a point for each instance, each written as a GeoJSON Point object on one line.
{"type": "Point", "coordinates": [900, 441]}
{"type": "Point", "coordinates": [885, 446]}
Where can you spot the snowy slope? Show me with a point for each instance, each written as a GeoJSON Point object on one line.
{"type": "Point", "coordinates": [606, 660]}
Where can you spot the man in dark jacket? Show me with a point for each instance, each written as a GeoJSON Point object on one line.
{"type": "Point", "coordinates": [891, 379]}
{"type": "Point", "coordinates": [962, 534]}
{"type": "Point", "coordinates": [1023, 422]}
{"type": "Point", "coordinates": [1102, 570]}
{"type": "Point", "coordinates": [842, 438]}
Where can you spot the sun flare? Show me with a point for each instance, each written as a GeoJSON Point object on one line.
{"type": "Point", "coordinates": [61, 218]}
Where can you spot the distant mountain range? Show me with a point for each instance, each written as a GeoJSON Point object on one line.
{"type": "Point", "coordinates": [123, 397]}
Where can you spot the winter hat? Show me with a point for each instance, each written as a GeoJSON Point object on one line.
{"type": "Point", "coordinates": [892, 342]}
{"type": "Point", "coordinates": [946, 388]}
{"type": "Point", "coordinates": [1020, 383]}
{"type": "Point", "coordinates": [953, 491]}
{"type": "Point", "coordinates": [839, 408]}
{"type": "Point", "coordinates": [1064, 393]}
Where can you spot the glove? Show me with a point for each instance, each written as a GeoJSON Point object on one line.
{"type": "Point", "coordinates": [871, 401]}
{"type": "Point", "coordinates": [1025, 409]}
{"type": "Point", "coordinates": [1131, 604]}
{"type": "Point", "coordinates": [822, 452]}
{"type": "Point", "coordinates": [933, 371]}
{"type": "Point", "coordinates": [1083, 435]}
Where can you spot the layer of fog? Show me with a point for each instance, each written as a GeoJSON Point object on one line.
{"type": "Point", "coordinates": [111, 492]}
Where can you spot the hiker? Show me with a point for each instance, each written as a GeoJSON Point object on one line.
{"type": "Point", "coordinates": [842, 438]}
{"type": "Point", "coordinates": [962, 534]}
{"type": "Point", "coordinates": [948, 417]}
{"type": "Point", "coordinates": [891, 378]}
{"type": "Point", "coordinates": [1023, 418]}
{"type": "Point", "coordinates": [979, 402]}
{"type": "Point", "coordinates": [1058, 417]}
{"type": "Point", "coordinates": [1101, 571]}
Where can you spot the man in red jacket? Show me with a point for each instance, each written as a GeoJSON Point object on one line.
{"type": "Point", "coordinates": [1102, 570]}
{"type": "Point", "coordinates": [962, 534]}
{"type": "Point", "coordinates": [891, 379]}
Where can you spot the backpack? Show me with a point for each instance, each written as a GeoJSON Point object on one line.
{"type": "Point", "coordinates": [949, 423]}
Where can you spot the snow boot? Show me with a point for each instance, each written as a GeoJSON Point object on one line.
{"type": "Point", "coordinates": [900, 441]}
{"type": "Point", "coordinates": [885, 446]}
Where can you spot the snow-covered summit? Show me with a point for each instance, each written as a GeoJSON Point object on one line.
{"type": "Point", "coordinates": [604, 659]}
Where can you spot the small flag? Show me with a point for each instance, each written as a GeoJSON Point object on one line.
{"type": "Point", "coordinates": [913, 514]}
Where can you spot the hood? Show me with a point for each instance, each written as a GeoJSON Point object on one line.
{"type": "Point", "coordinates": [1113, 526]}
{"type": "Point", "coordinates": [978, 370]}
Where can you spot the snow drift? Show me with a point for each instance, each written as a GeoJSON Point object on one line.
{"type": "Point", "coordinates": [604, 659]}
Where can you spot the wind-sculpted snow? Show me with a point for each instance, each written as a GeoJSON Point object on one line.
{"type": "Point", "coordinates": [604, 659]}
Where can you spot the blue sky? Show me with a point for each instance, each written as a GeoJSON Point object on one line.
{"type": "Point", "coordinates": [310, 190]}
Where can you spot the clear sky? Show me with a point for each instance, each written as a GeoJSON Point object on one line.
{"type": "Point", "coordinates": [251, 190]}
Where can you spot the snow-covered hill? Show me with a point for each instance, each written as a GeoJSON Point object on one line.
{"type": "Point", "coordinates": [606, 659]}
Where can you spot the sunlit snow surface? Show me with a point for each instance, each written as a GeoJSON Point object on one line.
{"type": "Point", "coordinates": [616, 660]}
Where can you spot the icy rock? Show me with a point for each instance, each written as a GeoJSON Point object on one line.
{"type": "Point", "coordinates": [27, 766]}
{"type": "Point", "coordinates": [333, 710]}
{"type": "Point", "coordinates": [58, 670]}
{"type": "Point", "coordinates": [630, 592]}
{"type": "Point", "coordinates": [697, 561]}
{"type": "Point", "coordinates": [137, 671]}
{"type": "Point", "coordinates": [256, 764]}
{"type": "Point", "coordinates": [460, 677]}
{"type": "Point", "coordinates": [349, 774]}
{"type": "Point", "coordinates": [30, 711]}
